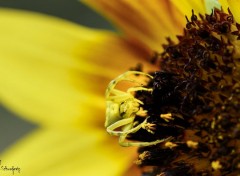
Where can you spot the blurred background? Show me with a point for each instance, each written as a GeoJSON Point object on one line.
{"type": "Point", "coordinates": [11, 126]}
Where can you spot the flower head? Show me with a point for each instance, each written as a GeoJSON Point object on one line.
{"type": "Point", "coordinates": [58, 72]}
{"type": "Point", "coordinates": [197, 85]}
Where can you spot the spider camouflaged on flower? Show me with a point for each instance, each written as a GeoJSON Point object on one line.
{"type": "Point", "coordinates": [123, 107]}
{"type": "Point", "coordinates": [197, 87]}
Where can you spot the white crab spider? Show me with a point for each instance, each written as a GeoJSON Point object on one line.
{"type": "Point", "coordinates": [122, 108]}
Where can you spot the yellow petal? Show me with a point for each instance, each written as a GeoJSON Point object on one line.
{"type": "Point", "coordinates": [234, 7]}
{"type": "Point", "coordinates": [186, 6]}
{"type": "Point", "coordinates": [224, 4]}
{"type": "Point", "coordinates": [55, 72]}
{"type": "Point", "coordinates": [63, 152]}
{"type": "Point", "coordinates": [149, 22]}
{"type": "Point", "coordinates": [210, 5]}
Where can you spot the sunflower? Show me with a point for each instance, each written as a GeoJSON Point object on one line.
{"type": "Point", "coordinates": [54, 74]}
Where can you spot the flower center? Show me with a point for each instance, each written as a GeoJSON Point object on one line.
{"type": "Point", "coordinates": [199, 84]}
{"type": "Point", "coordinates": [193, 100]}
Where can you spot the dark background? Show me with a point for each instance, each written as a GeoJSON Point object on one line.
{"type": "Point", "coordinates": [11, 126]}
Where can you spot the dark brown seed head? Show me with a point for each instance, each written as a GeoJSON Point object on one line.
{"type": "Point", "coordinates": [199, 84]}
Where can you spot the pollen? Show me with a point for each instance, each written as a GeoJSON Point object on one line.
{"type": "Point", "coordinates": [141, 157]}
{"type": "Point", "coordinates": [216, 165]}
{"type": "Point", "coordinates": [194, 101]}
{"type": "Point", "coordinates": [166, 117]}
{"type": "Point", "coordinates": [192, 144]}
{"type": "Point", "coordinates": [170, 145]}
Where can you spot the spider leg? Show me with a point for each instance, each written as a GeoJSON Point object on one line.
{"type": "Point", "coordinates": [117, 92]}
{"type": "Point", "coordinates": [114, 91]}
{"type": "Point", "coordinates": [114, 82]}
{"type": "Point", "coordinates": [118, 98]}
{"type": "Point", "coordinates": [124, 77]}
{"type": "Point", "coordinates": [127, 127]}
{"type": "Point", "coordinates": [140, 144]}
{"type": "Point", "coordinates": [136, 73]}
{"type": "Point", "coordinates": [143, 125]}
{"type": "Point", "coordinates": [123, 122]}
{"type": "Point", "coordinates": [121, 96]}
{"type": "Point", "coordinates": [134, 89]}
{"type": "Point", "coordinates": [118, 95]}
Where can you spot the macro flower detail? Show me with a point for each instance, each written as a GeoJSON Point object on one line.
{"type": "Point", "coordinates": [198, 86]}
{"type": "Point", "coordinates": [122, 108]}
{"type": "Point", "coordinates": [55, 73]}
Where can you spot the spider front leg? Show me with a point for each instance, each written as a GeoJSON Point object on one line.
{"type": "Point", "coordinates": [125, 77]}
{"type": "Point", "coordinates": [134, 89]}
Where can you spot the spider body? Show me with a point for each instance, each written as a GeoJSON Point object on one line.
{"type": "Point", "coordinates": [123, 107]}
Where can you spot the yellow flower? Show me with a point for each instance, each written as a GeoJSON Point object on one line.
{"type": "Point", "coordinates": [54, 73]}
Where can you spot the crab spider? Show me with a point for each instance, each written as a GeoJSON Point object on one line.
{"type": "Point", "coordinates": [123, 107]}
